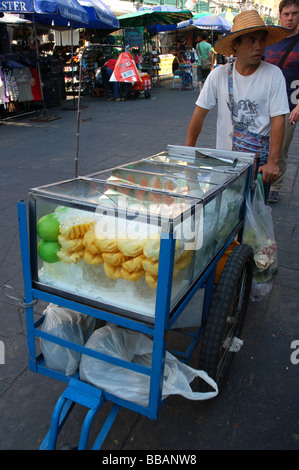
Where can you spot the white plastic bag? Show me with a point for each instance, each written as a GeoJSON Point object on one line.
{"type": "Point", "coordinates": [66, 324]}
{"type": "Point", "coordinates": [135, 347]}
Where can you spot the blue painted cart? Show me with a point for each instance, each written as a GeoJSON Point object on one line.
{"type": "Point", "coordinates": [216, 180]}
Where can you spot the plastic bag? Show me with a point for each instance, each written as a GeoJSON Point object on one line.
{"type": "Point", "coordinates": [135, 347]}
{"type": "Point", "coordinates": [259, 234]}
{"type": "Point", "coordinates": [66, 324]}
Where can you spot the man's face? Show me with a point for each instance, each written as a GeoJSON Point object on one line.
{"type": "Point", "coordinates": [289, 17]}
{"type": "Point", "coordinates": [251, 47]}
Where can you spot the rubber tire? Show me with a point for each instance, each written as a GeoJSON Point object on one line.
{"type": "Point", "coordinates": [147, 94]}
{"type": "Point", "coordinates": [233, 287]}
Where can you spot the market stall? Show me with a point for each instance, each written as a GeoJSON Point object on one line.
{"type": "Point", "coordinates": [132, 246]}
{"type": "Point", "coordinates": [45, 17]}
{"type": "Point", "coordinates": [42, 70]}
{"type": "Point", "coordinates": [152, 16]}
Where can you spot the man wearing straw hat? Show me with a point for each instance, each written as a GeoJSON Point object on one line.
{"type": "Point", "coordinates": [250, 94]}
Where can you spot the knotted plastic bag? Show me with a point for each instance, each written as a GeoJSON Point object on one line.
{"type": "Point", "coordinates": [66, 324]}
{"type": "Point", "coordinates": [130, 385]}
{"type": "Point", "coordinates": [259, 234]}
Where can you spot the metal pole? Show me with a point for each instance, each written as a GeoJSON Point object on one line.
{"type": "Point", "coordinates": [78, 115]}
{"type": "Point", "coordinates": [37, 59]}
{"type": "Point", "coordinates": [72, 52]}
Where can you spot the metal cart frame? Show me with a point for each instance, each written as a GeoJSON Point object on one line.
{"type": "Point", "coordinates": [85, 394]}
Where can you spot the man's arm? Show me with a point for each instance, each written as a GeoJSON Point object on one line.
{"type": "Point", "coordinates": [270, 170]}
{"type": "Point", "coordinates": [195, 125]}
{"type": "Point", "coordinates": [294, 116]}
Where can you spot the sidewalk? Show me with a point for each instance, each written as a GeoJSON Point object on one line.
{"type": "Point", "coordinates": [258, 409]}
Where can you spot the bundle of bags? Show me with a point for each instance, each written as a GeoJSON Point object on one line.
{"type": "Point", "coordinates": [116, 342]}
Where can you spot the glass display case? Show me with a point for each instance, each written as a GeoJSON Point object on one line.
{"type": "Point", "coordinates": [96, 239]}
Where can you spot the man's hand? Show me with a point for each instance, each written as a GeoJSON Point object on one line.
{"type": "Point", "coordinates": [294, 115]}
{"type": "Point", "coordinates": [269, 172]}
{"type": "Point", "coordinates": [271, 169]}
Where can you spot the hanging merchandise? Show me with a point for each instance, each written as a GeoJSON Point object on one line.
{"type": "Point", "coordinates": [125, 70]}
{"type": "Point", "coordinates": [23, 80]}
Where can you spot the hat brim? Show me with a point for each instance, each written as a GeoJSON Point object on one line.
{"type": "Point", "coordinates": [275, 34]}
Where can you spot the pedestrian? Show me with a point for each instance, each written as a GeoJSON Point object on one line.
{"type": "Point", "coordinates": [204, 54]}
{"type": "Point", "coordinates": [285, 54]}
{"type": "Point", "coordinates": [250, 93]}
{"type": "Point", "coordinates": [180, 46]}
{"type": "Point", "coordinates": [107, 71]}
{"type": "Point", "coordinates": [178, 69]}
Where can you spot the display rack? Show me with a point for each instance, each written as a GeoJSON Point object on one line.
{"type": "Point", "coordinates": [151, 65]}
{"type": "Point", "coordinates": [210, 176]}
{"type": "Point", "coordinates": [95, 56]}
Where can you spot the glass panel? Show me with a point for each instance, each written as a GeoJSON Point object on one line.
{"type": "Point", "coordinates": [201, 163]}
{"type": "Point", "coordinates": [179, 171]}
{"type": "Point", "coordinates": [172, 184]}
{"type": "Point", "coordinates": [119, 198]}
{"type": "Point", "coordinates": [103, 258]}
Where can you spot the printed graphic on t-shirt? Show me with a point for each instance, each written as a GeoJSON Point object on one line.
{"type": "Point", "coordinates": [245, 111]}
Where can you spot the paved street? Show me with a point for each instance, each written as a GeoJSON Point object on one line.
{"type": "Point", "coordinates": [259, 408]}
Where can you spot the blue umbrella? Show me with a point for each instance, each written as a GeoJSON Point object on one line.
{"type": "Point", "coordinates": [159, 8]}
{"type": "Point", "coordinates": [46, 11]}
{"type": "Point", "coordinates": [210, 22]}
{"type": "Point", "coordinates": [100, 16]}
{"type": "Point", "coordinates": [213, 23]}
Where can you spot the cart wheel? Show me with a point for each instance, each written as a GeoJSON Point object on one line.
{"type": "Point", "coordinates": [136, 94]}
{"type": "Point", "coordinates": [226, 315]}
{"type": "Point", "coordinates": [147, 94]}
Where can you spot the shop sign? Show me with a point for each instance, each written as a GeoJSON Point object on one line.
{"type": "Point", "coordinates": [17, 6]}
{"type": "Point", "coordinates": [134, 37]}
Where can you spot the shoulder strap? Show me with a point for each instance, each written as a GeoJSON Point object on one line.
{"type": "Point", "coordinates": [199, 49]}
{"type": "Point", "coordinates": [291, 46]}
{"type": "Point", "coordinates": [230, 92]}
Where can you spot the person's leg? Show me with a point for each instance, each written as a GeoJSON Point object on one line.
{"type": "Point", "coordinates": [114, 85]}
{"type": "Point", "coordinates": [185, 77]}
{"type": "Point", "coordinates": [200, 78]}
{"type": "Point", "coordinates": [288, 136]}
{"type": "Point", "coordinates": [180, 73]}
{"type": "Point", "coordinates": [106, 83]}
{"type": "Point", "coordinates": [115, 90]}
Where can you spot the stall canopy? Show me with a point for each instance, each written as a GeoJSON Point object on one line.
{"type": "Point", "coordinates": [149, 17]}
{"type": "Point", "coordinates": [199, 15]}
{"type": "Point", "coordinates": [100, 16]}
{"type": "Point", "coordinates": [9, 19]}
{"type": "Point", "coordinates": [157, 28]}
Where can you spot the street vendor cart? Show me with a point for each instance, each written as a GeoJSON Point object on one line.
{"type": "Point", "coordinates": [143, 87]}
{"type": "Point", "coordinates": [127, 250]}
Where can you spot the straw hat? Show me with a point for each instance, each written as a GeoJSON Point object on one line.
{"type": "Point", "coordinates": [245, 23]}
